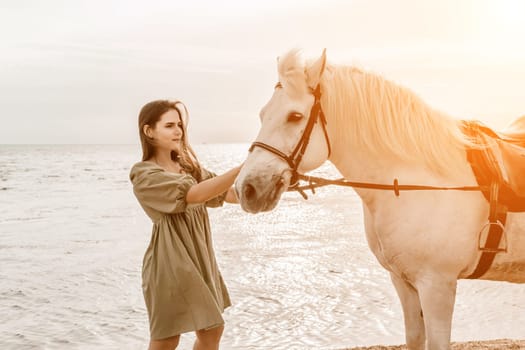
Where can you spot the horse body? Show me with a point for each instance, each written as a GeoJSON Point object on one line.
{"type": "Point", "coordinates": [435, 230]}
{"type": "Point", "coordinates": [378, 131]}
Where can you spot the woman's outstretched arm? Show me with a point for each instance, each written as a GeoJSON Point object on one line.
{"type": "Point", "coordinates": [211, 188]}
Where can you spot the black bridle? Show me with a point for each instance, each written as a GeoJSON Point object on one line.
{"type": "Point", "coordinates": [294, 159]}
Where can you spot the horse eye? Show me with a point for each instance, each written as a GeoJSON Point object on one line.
{"type": "Point", "coordinates": [294, 116]}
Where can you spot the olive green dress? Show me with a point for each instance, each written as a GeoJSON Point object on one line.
{"type": "Point", "coordinates": [182, 285]}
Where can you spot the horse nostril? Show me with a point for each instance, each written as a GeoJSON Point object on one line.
{"type": "Point", "coordinates": [249, 192]}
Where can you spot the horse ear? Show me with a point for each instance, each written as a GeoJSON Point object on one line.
{"type": "Point", "coordinates": [315, 71]}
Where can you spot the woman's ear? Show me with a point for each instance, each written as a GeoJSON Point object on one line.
{"type": "Point", "coordinates": [147, 131]}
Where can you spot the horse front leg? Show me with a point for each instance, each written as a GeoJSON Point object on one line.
{"type": "Point", "coordinates": [437, 295]}
{"type": "Point", "coordinates": [414, 323]}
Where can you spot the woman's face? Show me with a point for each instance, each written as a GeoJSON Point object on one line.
{"type": "Point", "coordinates": [167, 133]}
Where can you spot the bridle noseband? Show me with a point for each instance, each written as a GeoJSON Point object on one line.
{"type": "Point", "coordinates": [294, 159]}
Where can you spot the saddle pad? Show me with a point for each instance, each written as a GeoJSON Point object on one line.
{"type": "Point", "coordinates": [503, 162]}
{"type": "Point", "coordinates": [514, 160]}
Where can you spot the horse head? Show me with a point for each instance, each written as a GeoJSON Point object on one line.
{"type": "Point", "coordinates": [292, 138]}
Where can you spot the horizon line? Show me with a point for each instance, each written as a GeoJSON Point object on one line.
{"type": "Point", "coordinates": [109, 144]}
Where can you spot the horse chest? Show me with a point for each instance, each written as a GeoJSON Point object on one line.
{"type": "Point", "coordinates": [394, 251]}
{"type": "Point", "coordinates": [406, 238]}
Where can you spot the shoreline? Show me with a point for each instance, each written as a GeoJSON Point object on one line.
{"type": "Point", "coordinates": [497, 344]}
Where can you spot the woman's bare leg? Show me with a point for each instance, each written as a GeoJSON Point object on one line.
{"type": "Point", "coordinates": [164, 344]}
{"type": "Point", "coordinates": [208, 339]}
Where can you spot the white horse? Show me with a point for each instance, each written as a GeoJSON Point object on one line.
{"type": "Point", "coordinates": [377, 131]}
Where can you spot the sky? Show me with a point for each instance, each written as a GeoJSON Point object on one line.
{"type": "Point", "coordinates": [75, 71]}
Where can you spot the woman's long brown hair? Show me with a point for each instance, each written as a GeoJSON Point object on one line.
{"type": "Point", "coordinates": [150, 114]}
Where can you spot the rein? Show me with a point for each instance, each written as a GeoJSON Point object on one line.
{"type": "Point", "coordinates": [315, 182]}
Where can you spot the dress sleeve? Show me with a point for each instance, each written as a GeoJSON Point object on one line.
{"type": "Point", "coordinates": [160, 190]}
{"type": "Point", "coordinates": [217, 201]}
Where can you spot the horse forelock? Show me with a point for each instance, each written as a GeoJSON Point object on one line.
{"type": "Point", "coordinates": [390, 119]}
{"type": "Point", "coordinates": [291, 69]}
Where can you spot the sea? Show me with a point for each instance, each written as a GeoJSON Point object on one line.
{"type": "Point", "coordinates": [72, 239]}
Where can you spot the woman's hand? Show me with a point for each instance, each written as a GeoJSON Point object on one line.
{"type": "Point", "coordinates": [211, 188]}
{"type": "Point", "coordinates": [231, 196]}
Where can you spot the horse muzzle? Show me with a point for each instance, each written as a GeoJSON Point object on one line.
{"type": "Point", "coordinates": [257, 194]}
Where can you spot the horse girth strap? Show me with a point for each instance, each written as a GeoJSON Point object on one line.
{"type": "Point", "coordinates": [496, 224]}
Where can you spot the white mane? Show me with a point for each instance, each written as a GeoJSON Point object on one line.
{"type": "Point", "coordinates": [369, 111]}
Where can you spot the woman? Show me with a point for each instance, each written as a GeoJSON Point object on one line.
{"type": "Point", "coordinates": [183, 288]}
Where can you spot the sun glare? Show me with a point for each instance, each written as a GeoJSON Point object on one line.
{"type": "Point", "coordinates": [502, 22]}
{"type": "Point", "coordinates": [511, 12]}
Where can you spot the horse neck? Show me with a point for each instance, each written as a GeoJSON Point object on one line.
{"type": "Point", "coordinates": [357, 164]}
{"type": "Point", "coordinates": [375, 141]}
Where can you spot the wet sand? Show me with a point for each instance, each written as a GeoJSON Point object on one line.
{"type": "Point", "coordinates": [474, 345]}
